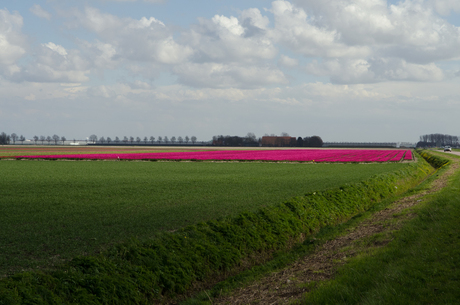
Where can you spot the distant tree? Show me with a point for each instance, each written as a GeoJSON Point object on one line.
{"type": "Point", "coordinates": [131, 139]}
{"type": "Point", "coordinates": [187, 139]}
{"type": "Point", "coordinates": [55, 139]}
{"type": "Point", "coordinates": [437, 139]}
{"type": "Point", "coordinates": [299, 142]}
{"type": "Point", "coordinates": [160, 139]}
{"type": "Point", "coordinates": [93, 138]}
{"type": "Point", "coordinates": [102, 140]}
{"type": "Point", "coordinates": [4, 139]}
{"type": "Point", "coordinates": [63, 139]}
{"type": "Point", "coordinates": [166, 139]}
{"type": "Point", "coordinates": [145, 140]}
{"type": "Point", "coordinates": [117, 139]}
{"type": "Point", "coordinates": [251, 138]}
{"type": "Point", "coordinates": [138, 140]}
{"type": "Point", "coordinates": [316, 141]}
{"type": "Point", "coordinates": [22, 139]}
{"type": "Point", "coordinates": [35, 140]}
{"type": "Point", "coordinates": [109, 139]}
{"type": "Point", "coordinates": [180, 140]}
{"type": "Point", "coordinates": [284, 134]}
{"type": "Point", "coordinates": [152, 139]}
{"type": "Point", "coordinates": [125, 139]}
{"type": "Point", "coordinates": [193, 138]}
{"type": "Point", "coordinates": [14, 137]}
{"type": "Point", "coordinates": [42, 139]}
{"type": "Point", "coordinates": [48, 139]}
{"type": "Point", "coordinates": [173, 140]}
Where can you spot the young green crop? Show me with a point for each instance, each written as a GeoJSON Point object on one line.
{"type": "Point", "coordinates": [53, 211]}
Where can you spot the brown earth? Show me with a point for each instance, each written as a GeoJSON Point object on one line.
{"type": "Point", "coordinates": [292, 282]}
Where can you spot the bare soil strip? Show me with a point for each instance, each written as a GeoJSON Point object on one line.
{"type": "Point", "coordinates": [292, 282]}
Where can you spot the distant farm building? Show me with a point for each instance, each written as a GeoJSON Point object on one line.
{"type": "Point", "coordinates": [278, 141]}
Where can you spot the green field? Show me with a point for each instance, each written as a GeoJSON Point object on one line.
{"type": "Point", "coordinates": [51, 211]}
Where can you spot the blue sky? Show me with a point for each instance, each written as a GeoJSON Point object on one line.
{"type": "Point", "coordinates": [348, 70]}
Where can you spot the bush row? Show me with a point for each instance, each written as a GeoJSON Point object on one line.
{"type": "Point", "coordinates": [142, 272]}
{"type": "Point", "coordinates": [435, 161]}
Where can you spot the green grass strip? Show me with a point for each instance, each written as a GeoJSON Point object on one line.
{"type": "Point", "coordinates": [421, 266]}
{"type": "Point", "coordinates": [142, 272]}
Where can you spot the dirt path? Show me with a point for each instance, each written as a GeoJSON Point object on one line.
{"type": "Point", "coordinates": [292, 282]}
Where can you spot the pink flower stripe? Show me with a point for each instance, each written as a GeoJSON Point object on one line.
{"type": "Point", "coordinates": [408, 155]}
{"type": "Point", "coordinates": [315, 155]}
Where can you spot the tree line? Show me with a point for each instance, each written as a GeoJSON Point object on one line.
{"type": "Point", "coordinates": [437, 139]}
{"type": "Point", "coordinates": [152, 140]}
{"type": "Point", "coordinates": [13, 138]}
{"type": "Point", "coordinates": [251, 140]}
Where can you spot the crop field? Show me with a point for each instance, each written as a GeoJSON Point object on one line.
{"type": "Point", "coordinates": [25, 150]}
{"type": "Point", "coordinates": [299, 155]}
{"type": "Point", "coordinates": [51, 211]}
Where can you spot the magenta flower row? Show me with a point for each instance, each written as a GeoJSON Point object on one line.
{"type": "Point", "coordinates": [312, 155]}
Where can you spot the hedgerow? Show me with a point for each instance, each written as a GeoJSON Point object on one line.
{"type": "Point", "coordinates": [435, 161]}
{"type": "Point", "coordinates": [141, 272]}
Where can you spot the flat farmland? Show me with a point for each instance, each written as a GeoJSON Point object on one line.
{"type": "Point", "coordinates": [51, 211]}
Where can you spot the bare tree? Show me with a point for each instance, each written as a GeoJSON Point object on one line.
{"type": "Point", "coordinates": [109, 139]}
{"type": "Point", "coordinates": [4, 138]}
{"type": "Point", "coordinates": [180, 140]}
{"type": "Point", "coordinates": [48, 139]}
{"type": "Point", "coordinates": [125, 139]}
{"type": "Point", "coordinates": [152, 139]}
{"type": "Point", "coordinates": [193, 138]}
{"type": "Point", "coordinates": [63, 139]}
{"type": "Point", "coordinates": [14, 137]}
{"type": "Point", "coordinates": [138, 140]}
{"type": "Point", "coordinates": [42, 139]}
{"type": "Point", "coordinates": [145, 140]}
{"type": "Point", "coordinates": [93, 138]}
{"type": "Point", "coordinates": [117, 139]}
{"type": "Point", "coordinates": [102, 140]}
{"type": "Point", "coordinates": [284, 134]}
{"type": "Point", "coordinates": [187, 139]}
{"type": "Point", "coordinates": [55, 139]}
{"type": "Point", "coordinates": [160, 139]}
{"type": "Point", "coordinates": [22, 139]}
{"type": "Point", "coordinates": [131, 139]}
{"type": "Point", "coordinates": [166, 139]}
{"type": "Point", "coordinates": [173, 140]}
{"type": "Point", "coordinates": [35, 140]}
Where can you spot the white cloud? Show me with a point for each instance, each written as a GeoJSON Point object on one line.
{"type": "Point", "coordinates": [288, 62]}
{"type": "Point", "coordinates": [57, 48]}
{"type": "Point", "coordinates": [13, 43]}
{"type": "Point", "coordinates": [53, 63]}
{"type": "Point", "coordinates": [144, 40]}
{"type": "Point", "coordinates": [354, 71]}
{"type": "Point", "coordinates": [409, 29]}
{"type": "Point", "coordinates": [215, 75]}
{"type": "Point", "coordinates": [295, 30]}
{"type": "Point", "coordinates": [445, 7]}
{"type": "Point", "coordinates": [231, 39]}
{"type": "Point", "coordinates": [38, 11]}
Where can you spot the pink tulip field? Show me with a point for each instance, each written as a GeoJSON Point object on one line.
{"type": "Point", "coordinates": [300, 155]}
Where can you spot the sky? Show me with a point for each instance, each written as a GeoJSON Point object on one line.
{"type": "Point", "coordinates": [345, 70]}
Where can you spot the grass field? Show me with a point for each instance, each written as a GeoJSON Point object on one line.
{"type": "Point", "coordinates": [53, 210]}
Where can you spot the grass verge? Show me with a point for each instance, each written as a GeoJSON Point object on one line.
{"type": "Point", "coordinates": [421, 266]}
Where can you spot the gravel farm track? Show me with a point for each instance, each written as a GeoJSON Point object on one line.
{"type": "Point", "coordinates": [291, 283]}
